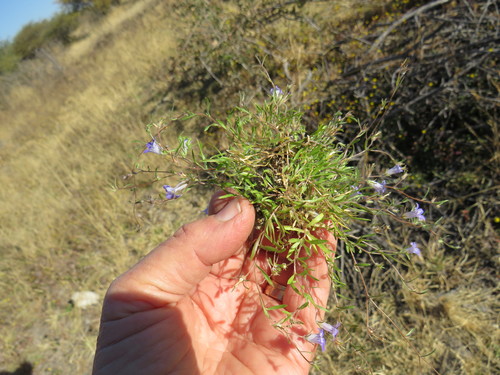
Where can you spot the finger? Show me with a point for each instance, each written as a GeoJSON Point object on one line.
{"type": "Point", "coordinates": [229, 268]}
{"type": "Point", "coordinates": [175, 267]}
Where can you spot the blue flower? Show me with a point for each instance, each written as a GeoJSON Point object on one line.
{"type": "Point", "coordinates": [417, 212]}
{"type": "Point", "coordinates": [356, 190]}
{"type": "Point", "coordinates": [276, 91]}
{"type": "Point", "coordinates": [394, 170]}
{"type": "Point", "coordinates": [333, 329]}
{"type": "Point", "coordinates": [413, 249]}
{"type": "Point", "coordinates": [153, 147]}
{"type": "Point", "coordinates": [172, 191]}
{"type": "Point", "coordinates": [317, 338]}
{"type": "Point", "coordinates": [378, 187]}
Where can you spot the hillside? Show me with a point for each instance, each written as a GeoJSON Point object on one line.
{"type": "Point", "coordinates": [67, 134]}
{"type": "Point", "coordinates": [72, 128]}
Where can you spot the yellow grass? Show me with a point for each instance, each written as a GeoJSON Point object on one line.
{"type": "Point", "coordinates": [63, 229]}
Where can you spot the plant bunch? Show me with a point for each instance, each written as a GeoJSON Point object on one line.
{"type": "Point", "coordinates": [301, 182]}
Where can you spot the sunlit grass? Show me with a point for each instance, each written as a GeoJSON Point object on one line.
{"type": "Point", "coordinates": [63, 228]}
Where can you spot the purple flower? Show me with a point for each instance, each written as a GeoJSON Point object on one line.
{"type": "Point", "coordinates": [317, 338]}
{"type": "Point", "coordinates": [394, 170]}
{"type": "Point", "coordinates": [417, 212]}
{"type": "Point", "coordinates": [333, 329]}
{"type": "Point", "coordinates": [413, 249]}
{"type": "Point", "coordinates": [276, 91]}
{"type": "Point", "coordinates": [378, 187]}
{"type": "Point", "coordinates": [153, 147]}
{"type": "Point", "coordinates": [172, 191]}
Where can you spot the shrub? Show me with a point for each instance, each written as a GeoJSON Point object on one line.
{"type": "Point", "coordinates": [98, 6]}
{"type": "Point", "coordinates": [60, 28]}
{"type": "Point", "coordinates": [103, 6]}
{"type": "Point", "coordinates": [29, 39]}
{"type": "Point", "coordinates": [36, 35]}
{"type": "Point", "coordinates": [8, 58]}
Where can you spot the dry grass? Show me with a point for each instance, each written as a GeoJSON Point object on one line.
{"type": "Point", "coordinates": [63, 228]}
{"type": "Point", "coordinates": [67, 125]}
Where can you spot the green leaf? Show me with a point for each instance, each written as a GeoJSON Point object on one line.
{"type": "Point", "coordinates": [277, 307]}
{"type": "Point", "coordinates": [303, 306]}
{"type": "Point", "coordinates": [188, 116]}
{"type": "Point", "coordinates": [269, 248]}
{"type": "Point", "coordinates": [293, 229]}
{"type": "Point", "coordinates": [428, 354]}
{"type": "Point", "coordinates": [316, 220]}
{"type": "Point", "coordinates": [228, 195]}
{"type": "Point", "coordinates": [266, 276]}
{"type": "Point", "coordinates": [410, 332]}
{"type": "Point", "coordinates": [317, 241]}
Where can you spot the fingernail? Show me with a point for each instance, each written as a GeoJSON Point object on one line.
{"type": "Point", "coordinates": [229, 211]}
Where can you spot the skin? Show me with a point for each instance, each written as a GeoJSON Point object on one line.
{"type": "Point", "coordinates": [193, 306]}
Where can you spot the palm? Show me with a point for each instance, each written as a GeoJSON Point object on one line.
{"type": "Point", "coordinates": [231, 333]}
{"type": "Point", "coordinates": [194, 306]}
{"type": "Point", "coordinates": [220, 328]}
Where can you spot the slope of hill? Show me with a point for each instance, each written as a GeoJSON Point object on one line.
{"type": "Point", "coordinates": [67, 132]}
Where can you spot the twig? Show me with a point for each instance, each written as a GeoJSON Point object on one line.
{"type": "Point", "coordinates": [406, 17]}
{"type": "Point", "coordinates": [482, 16]}
{"type": "Point", "coordinates": [211, 73]}
{"type": "Point", "coordinates": [369, 300]}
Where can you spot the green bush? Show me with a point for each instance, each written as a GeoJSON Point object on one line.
{"type": "Point", "coordinates": [103, 6]}
{"type": "Point", "coordinates": [29, 39]}
{"type": "Point", "coordinates": [35, 35]}
{"type": "Point", "coordinates": [97, 6]}
{"type": "Point", "coordinates": [61, 26]}
{"type": "Point", "coordinates": [8, 58]}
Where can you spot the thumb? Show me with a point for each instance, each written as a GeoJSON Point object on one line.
{"type": "Point", "coordinates": [176, 266]}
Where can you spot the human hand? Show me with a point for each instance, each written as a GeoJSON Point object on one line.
{"type": "Point", "coordinates": [193, 306]}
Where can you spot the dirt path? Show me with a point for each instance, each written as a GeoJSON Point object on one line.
{"type": "Point", "coordinates": [116, 18]}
